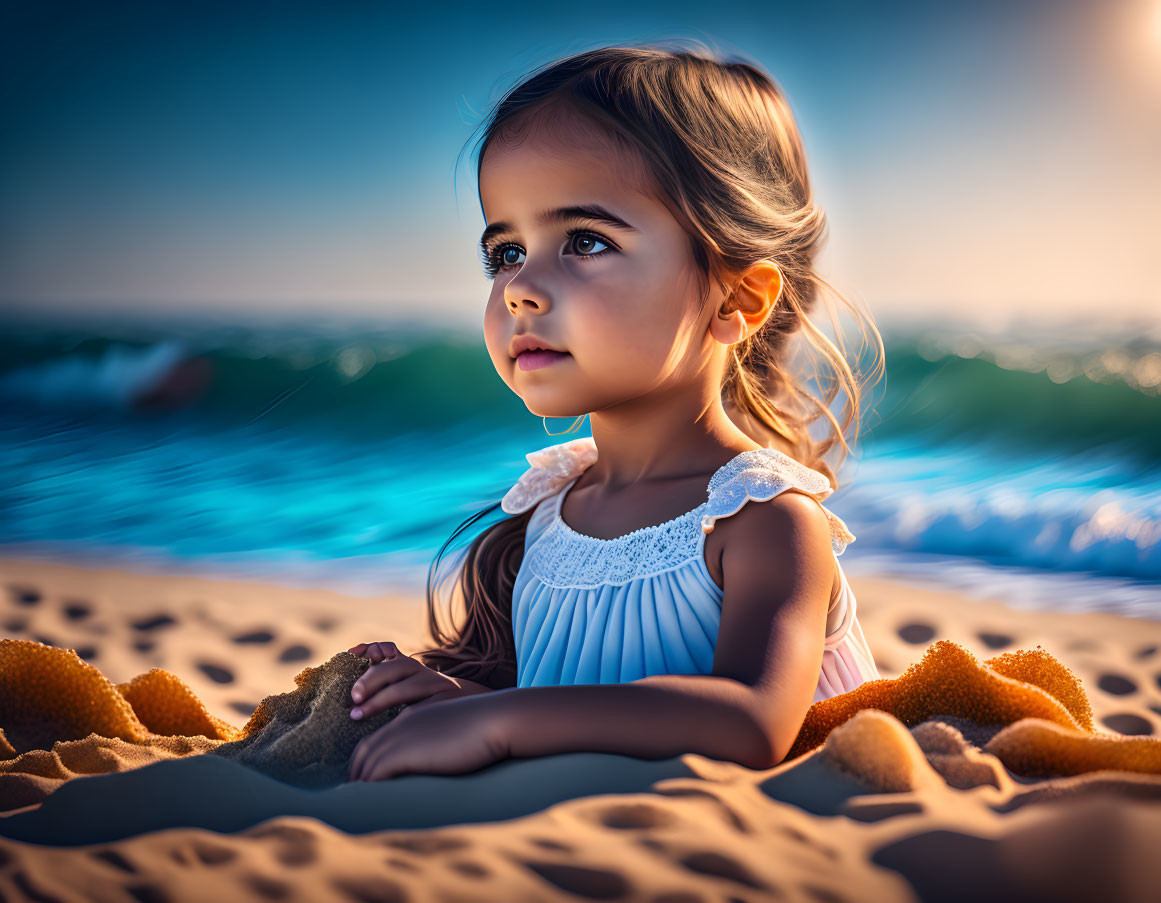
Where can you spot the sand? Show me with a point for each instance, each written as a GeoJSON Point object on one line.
{"type": "Point", "coordinates": [894, 800]}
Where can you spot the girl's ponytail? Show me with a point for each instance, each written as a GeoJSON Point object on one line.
{"type": "Point", "coordinates": [765, 398]}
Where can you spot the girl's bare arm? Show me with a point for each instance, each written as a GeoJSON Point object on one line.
{"type": "Point", "coordinates": [653, 718]}
{"type": "Point", "coordinates": [470, 687]}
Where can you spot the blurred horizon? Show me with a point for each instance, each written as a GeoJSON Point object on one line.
{"type": "Point", "coordinates": [992, 164]}
{"type": "Point", "coordinates": [345, 456]}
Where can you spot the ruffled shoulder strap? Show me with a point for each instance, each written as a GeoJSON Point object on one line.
{"type": "Point", "coordinates": [552, 468]}
{"type": "Point", "coordinates": [761, 474]}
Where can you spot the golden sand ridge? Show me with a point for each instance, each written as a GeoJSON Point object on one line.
{"type": "Point", "coordinates": [61, 717]}
{"type": "Point", "coordinates": [1046, 718]}
{"type": "Point", "coordinates": [49, 694]}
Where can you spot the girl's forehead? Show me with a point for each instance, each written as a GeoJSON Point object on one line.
{"type": "Point", "coordinates": [554, 125]}
{"type": "Point", "coordinates": [552, 135]}
{"type": "Point", "coordinates": [548, 153]}
{"type": "Point", "coordinates": [547, 165]}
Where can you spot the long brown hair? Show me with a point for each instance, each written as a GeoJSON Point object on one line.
{"type": "Point", "coordinates": [721, 143]}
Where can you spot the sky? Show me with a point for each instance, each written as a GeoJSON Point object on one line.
{"type": "Point", "coordinates": [986, 162]}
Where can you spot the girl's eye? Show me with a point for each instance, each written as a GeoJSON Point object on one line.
{"type": "Point", "coordinates": [501, 258]}
{"type": "Point", "coordinates": [584, 242]}
{"type": "Point", "coordinates": [505, 256]}
{"type": "Point", "coordinates": [506, 260]}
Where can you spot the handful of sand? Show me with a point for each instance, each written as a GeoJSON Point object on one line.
{"type": "Point", "coordinates": [306, 737]}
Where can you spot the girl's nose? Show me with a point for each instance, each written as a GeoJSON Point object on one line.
{"type": "Point", "coordinates": [531, 304]}
{"type": "Point", "coordinates": [523, 295]}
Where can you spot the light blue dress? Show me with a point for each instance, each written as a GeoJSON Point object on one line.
{"type": "Point", "coordinates": [592, 611]}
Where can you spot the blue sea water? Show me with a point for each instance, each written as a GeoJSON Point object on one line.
{"type": "Point", "coordinates": [344, 456]}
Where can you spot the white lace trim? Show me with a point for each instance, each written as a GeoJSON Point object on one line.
{"type": "Point", "coordinates": [551, 468]}
{"type": "Point", "coordinates": [562, 557]}
{"type": "Point", "coordinates": [761, 474]}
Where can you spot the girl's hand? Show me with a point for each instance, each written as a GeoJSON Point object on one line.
{"type": "Point", "coordinates": [452, 736]}
{"type": "Point", "coordinates": [397, 678]}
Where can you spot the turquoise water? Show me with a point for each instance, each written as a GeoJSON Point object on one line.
{"type": "Point", "coordinates": [346, 456]}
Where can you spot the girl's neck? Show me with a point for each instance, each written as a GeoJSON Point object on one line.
{"type": "Point", "coordinates": [663, 438]}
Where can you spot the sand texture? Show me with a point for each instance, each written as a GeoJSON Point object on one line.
{"type": "Point", "coordinates": [1005, 753]}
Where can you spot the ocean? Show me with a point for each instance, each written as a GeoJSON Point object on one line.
{"type": "Point", "coordinates": [343, 455]}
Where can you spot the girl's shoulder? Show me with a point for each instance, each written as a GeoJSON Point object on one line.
{"type": "Point", "coordinates": [761, 474]}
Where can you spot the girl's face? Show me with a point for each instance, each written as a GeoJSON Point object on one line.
{"type": "Point", "coordinates": [618, 302]}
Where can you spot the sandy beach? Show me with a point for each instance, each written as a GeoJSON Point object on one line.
{"type": "Point", "coordinates": [882, 810]}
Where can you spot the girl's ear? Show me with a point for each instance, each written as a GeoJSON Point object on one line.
{"type": "Point", "coordinates": [749, 304]}
{"type": "Point", "coordinates": [729, 330]}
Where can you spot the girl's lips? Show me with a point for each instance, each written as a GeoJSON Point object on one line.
{"type": "Point", "coordinates": [535, 359]}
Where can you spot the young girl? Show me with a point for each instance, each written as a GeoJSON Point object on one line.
{"type": "Point", "coordinates": [671, 584]}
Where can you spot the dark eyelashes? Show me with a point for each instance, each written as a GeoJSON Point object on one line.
{"type": "Point", "coordinates": [491, 256]}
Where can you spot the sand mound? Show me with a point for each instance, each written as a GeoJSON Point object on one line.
{"type": "Point", "coordinates": [49, 694]}
{"type": "Point", "coordinates": [1041, 706]}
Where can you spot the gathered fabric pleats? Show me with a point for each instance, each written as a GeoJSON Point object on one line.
{"type": "Point", "coordinates": [617, 633]}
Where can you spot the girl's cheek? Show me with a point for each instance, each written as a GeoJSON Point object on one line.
{"type": "Point", "coordinates": [494, 336]}
{"type": "Point", "coordinates": [496, 339]}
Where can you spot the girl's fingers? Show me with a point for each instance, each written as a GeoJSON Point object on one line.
{"type": "Point", "coordinates": [388, 650]}
{"type": "Point", "coordinates": [412, 688]}
{"type": "Point", "coordinates": [379, 674]}
{"type": "Point", "coordinates": [376, 651]}
{"type": "Point", "coordinates": [383, 652]}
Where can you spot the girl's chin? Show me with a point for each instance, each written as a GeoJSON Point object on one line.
{"type": "Point", "coordinates": [578, 398]}
{"type": "Point", "coordinates": [553, 413]}
{"type": "Point", "coordinates": [539, 406]}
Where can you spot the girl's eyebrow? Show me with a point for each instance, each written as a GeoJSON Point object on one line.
{"type": "Point", "coordinates": [560, 214]}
